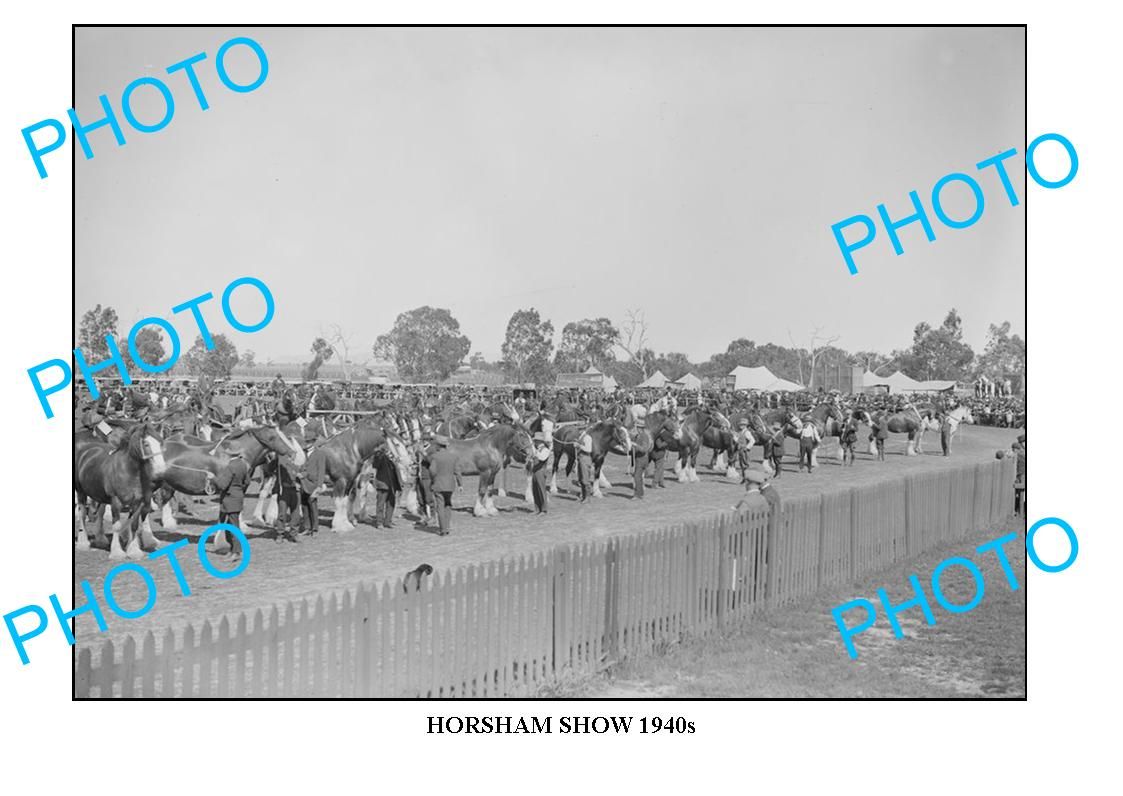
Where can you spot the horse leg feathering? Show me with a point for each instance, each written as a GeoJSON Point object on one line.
{"type": "Point", "coordinates": [116, 552]}
{"type": "Point", "coordinates": [339, 521]}
{"type": "Point", "coordinates": [266, 489]}
{"type": "Point", "coordinates": [83, 541]}
{"type": "Point", "coordinates": [410, 501]}
{"type": "Point", "coordinates": [167, 516]}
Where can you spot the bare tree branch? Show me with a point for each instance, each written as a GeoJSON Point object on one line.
{"type": "Point", "coordinates": [633, 339]}
{"type": "Point", "coordinates": [340, 342]}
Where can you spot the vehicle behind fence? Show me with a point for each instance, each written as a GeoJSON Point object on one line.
{"type": "Point", "coordinates": [507, 628]}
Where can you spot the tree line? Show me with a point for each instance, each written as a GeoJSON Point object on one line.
{"type": "Point", "coordinates": [426, 345]}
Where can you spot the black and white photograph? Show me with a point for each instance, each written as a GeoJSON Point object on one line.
{"type": "Point", "coordinates": [570, 363]}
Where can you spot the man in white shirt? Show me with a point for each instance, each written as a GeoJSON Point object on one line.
{"type": "Point", "coordinates": [809, 439]}
{"type": "Point", "coordinates": [539, 463]}
{"type": "Point", "coordinates": [585, 473]}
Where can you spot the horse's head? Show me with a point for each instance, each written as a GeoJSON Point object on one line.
{"type": "Point", "coordinates": [664, 426]}
{"type": "Point", "coordinates": [520, 445]}
{"type": "Point", "coordinates": [276, 441]}
{"type": "Point", "coordinates": [146, 447]}
{"type": "Point", "coordinates": [620, 437]}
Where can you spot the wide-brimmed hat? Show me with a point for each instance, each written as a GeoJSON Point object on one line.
{"type": "Point", "coordinates": [441, 440]}
{"type": "Point", "coordinates": [1021, 438]}
{"type": "Point", "coordinates": [641, 423]}
{"type": "Point", "coordinates": [755, 475]}
{"type": "Point", "coordinates": [743, 422]}
{"type": "Point", "coordinates": [539, 436]}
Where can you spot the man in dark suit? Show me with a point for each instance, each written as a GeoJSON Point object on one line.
{"type": "Point", "coordinates": [230, 486]}
{"type": "Point", "coordinates": [444, 469]}
{"type": "Point", "coordinates": [387, 484]}
{"type": "Point", "coordinates": [641, 449]}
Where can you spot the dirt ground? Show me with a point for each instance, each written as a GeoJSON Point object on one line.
{"type": "Point", "coordinates": [797, 651]}
{"type": "Point", "coordinates": [281, 571]}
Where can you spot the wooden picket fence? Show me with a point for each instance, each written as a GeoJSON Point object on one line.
{"type": "Point", "coordinates": [508, 628]}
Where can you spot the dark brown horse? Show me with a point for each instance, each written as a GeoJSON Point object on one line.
{"type": "Point", "coordinates": [695, 423]}
{"type": "Point", "coordinates": [340, 460]}
{"type": "Point", "coordinates": [721, 438]}
{"type": "Point", "coordinates": [119, 476]}
{"type": "Point", "coordinates": [909, 421]}
{"type": "Point", "coordinates": [193, 462]}
{"type": "Point", "coordinates": [608, 436]}
{"type": "Point", "coordinates": [487, 454]}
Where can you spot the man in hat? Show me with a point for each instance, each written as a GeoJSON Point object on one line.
{"type": "Point", "coordinates": [880, 434]}
{"type": "Point", "coordinates": [809, 439]}
{"type": "Point", "coordinates": [754, 480]}
{"type": "Point", "coordinates": [424, 479]}
{"type": "Point", "coordinates": [230, 486]}
{"type": "Point", "coordinates": [444, 468]}
{"type": "Point", "coordinates": [745, 442]}
{"type": "Point", "coordinates": [641, 449]}
{"type": "Point", "coordinates": [538, 464]}
{"type": "Point", "coordinates": [776, 449]}
{"type": "Point", "coordinates": [947, 428]}
{"type": "Point", "coordinates": [387, 485]}
{"type": "Point", "coordinates": [585, 473]}
{"type": "Point", "coordinates": [847, 440]}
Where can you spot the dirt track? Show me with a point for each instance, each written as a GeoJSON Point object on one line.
{"type": "Point", "coordinates": [280, 571]}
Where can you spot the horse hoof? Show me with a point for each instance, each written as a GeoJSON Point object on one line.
{"type": "Point", "coordinates": [491, 511]}
{"type": "Point", "coordinates": [502, 493]}
{"type": "Point", "coordinates": [82, 544]}
{"type": "Point", "coordinates": [342, 527]}
{"type": "Point", "coordinates": [732, 474]}
{"type": "Point", "coordinates": [479, 511]}
{"type": "Point", "coordinates": [553, 490]}
{"type": "Point", "coordinates": [117, 555]}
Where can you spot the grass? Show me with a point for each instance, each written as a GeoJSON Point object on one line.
{"type": "Point", "coordinates": [797, 652]}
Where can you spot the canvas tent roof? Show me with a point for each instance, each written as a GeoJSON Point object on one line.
{"type": "Point", "coordinates": [760, 378]}
{"type": "Point", "coordinates": [899, 382]}
{"type": "Point", "coordinates": [656, 379]}
{"type": "Point", "coordinates": [690, 382]}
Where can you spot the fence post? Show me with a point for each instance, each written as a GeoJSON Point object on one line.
{"type": "Point", "coordinates": [612, 599]}
{"type": "Point", "coordinates": [853, 533]}
{"type": "Point", "coordinates": [910, 546]}
{"type": "Point", "coordinates": [722, 567]}
{"type": "Point", "coordinates": [822, 541]}
{"type": "Point", "coordinates": [561, 604]}
{"type": "Point", "coordinates": [772, 556]}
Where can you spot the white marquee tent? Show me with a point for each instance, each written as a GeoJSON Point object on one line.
{"type": "Point", "coordinates": [656, 379]}
{"type": "Point", "coordinates": [689, 382]}
{"type": "Point", "coordinates": [759, 378]}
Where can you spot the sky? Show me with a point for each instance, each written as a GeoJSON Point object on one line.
{"type": "Point", "coordinates": [691, 173]}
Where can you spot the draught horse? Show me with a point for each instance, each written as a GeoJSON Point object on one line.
{"type": "Point", "coordinates": [722, 440]}
{"type": "Point", "coordinates": [340, 460]}
{"type": "Point", "coordinates": [193, 462]}
{"type": "Point", "coordinates": [695, 424]}
{"type": "Point", "coordinates": [119, 476]}
{"type": "Point", "coordinates": [487, 454]}
{"type": "Point", "coordinates": [910, 421]}
{"type": "Point", "coordinates": [609, 436]}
